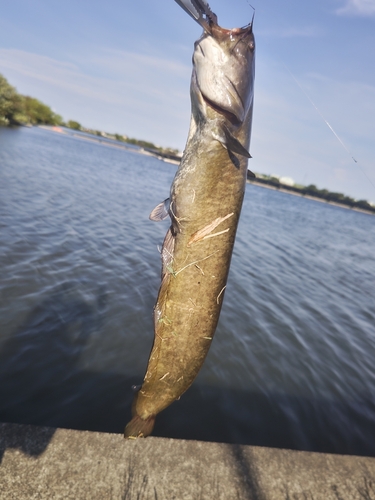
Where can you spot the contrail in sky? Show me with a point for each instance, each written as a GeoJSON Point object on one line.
{"type": "Point", "coordinates": [321, 114]}
{"type": "Point", "coordinates": [328, 125]}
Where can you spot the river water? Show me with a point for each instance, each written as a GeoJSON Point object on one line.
{"type": "Point", "coordinates": [292, 362]}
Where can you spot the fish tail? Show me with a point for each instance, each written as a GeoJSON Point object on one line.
{"type": "Point", "coordinates": [137, 427]}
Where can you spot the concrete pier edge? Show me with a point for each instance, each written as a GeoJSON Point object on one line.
{"type": "Point", "coordinates": [47, 463]}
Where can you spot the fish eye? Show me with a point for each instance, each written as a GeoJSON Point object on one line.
{"type": "Point", "coordinates": [248, 45]}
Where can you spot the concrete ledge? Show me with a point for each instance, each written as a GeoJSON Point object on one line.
{"type": "Point", "coordinates": [46, 463]}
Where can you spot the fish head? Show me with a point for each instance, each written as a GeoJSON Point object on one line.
{"type": "Point", "coordinates": [224, 68]}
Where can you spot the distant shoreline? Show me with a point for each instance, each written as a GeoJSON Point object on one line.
{"type": "Point", "coordinates": [309, 197]}
{"type": "Point", "coordinates": [105, 142]}
{"type": "Point", "coordinates": [159, 156]}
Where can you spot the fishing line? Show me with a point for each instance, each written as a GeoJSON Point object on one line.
{"type": "Point", "coordinates": [321, 114]}
{"type": "Point", "coordinates": [248, 3]}
{"type": "Point", "coordinates": [329, 126]}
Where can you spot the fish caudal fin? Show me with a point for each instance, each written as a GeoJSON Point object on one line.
{"type": "Point", "coordinates": [138, 428]}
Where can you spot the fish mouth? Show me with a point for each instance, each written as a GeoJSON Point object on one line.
{"type": "Point", "coordinates": [244, 34]}
{"type": "Point", "coordinates": [201, 12]}
{"type": "Point", "coordinates": [221, 33]}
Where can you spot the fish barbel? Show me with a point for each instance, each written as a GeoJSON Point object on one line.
{"type": "Point", "coordinates": [204, 206]}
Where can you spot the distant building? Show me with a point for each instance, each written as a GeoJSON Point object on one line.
{"type": "Point", "coordinates": [288, 181]}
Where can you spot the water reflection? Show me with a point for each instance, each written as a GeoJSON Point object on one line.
{"type": "Point", "coordinates": [292, 360]}
{"type": "Point", "coordinates": [42, 380]}
{"type": "Point", "coordinates": [52, 341]}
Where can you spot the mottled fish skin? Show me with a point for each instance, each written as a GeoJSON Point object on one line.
{"type": "Point", "coordinates": [205, 203]}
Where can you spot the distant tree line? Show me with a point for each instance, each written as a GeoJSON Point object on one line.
{"type": "Point", "coordinates": [17, 109]}
{"type": "Point", "coordinates": [150, 146]}
{"type": "Point", "coordinates": [312, 190]}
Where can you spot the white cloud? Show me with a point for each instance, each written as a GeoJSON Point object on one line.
{"type": "Point", "coordinates": [130, 69]}
{"type": "Point", "coordinates": [141, 95]}
{"type": "Point", "coordinates": [357, 8]}
{"type": "Point", "coordinates": [121, 61]}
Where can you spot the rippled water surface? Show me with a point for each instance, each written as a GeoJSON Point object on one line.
{"type": "Point", "coordinates": [292, 363]}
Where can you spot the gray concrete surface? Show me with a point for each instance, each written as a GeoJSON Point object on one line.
{"type": "Point", "coordinates": [45, 463]}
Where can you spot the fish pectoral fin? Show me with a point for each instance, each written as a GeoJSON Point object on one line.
{"type": "Point", "coordinates": [250, 174]}
{"type": "Point", "coordinates": [232, 144]}
{"type": "Point", "coordinates": [160, 212]}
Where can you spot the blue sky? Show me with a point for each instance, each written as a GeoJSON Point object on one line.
{"type": "Point", "coordinates": [125, 67]}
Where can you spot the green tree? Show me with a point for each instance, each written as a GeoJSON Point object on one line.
{"type": "Point", "coordinates": [74, 125]}
{"type": "Point", "coordinates": [142, 144]}
{"type": "Point", "coordinates": [10, 103]}
{"type": "Point", "coordinates": [363, 204]}
{"type": "Point", "coordinates": [274, 179]}
{"type": "Point", "coordinates": [16, 109]}
{"type": "Point", "coordinates": [38, 113]}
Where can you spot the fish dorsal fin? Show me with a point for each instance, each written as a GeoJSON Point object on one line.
{"type": "Point", "coordinates": [233, 144]}
{"type": "Point", "coordinates": [160, 212]}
